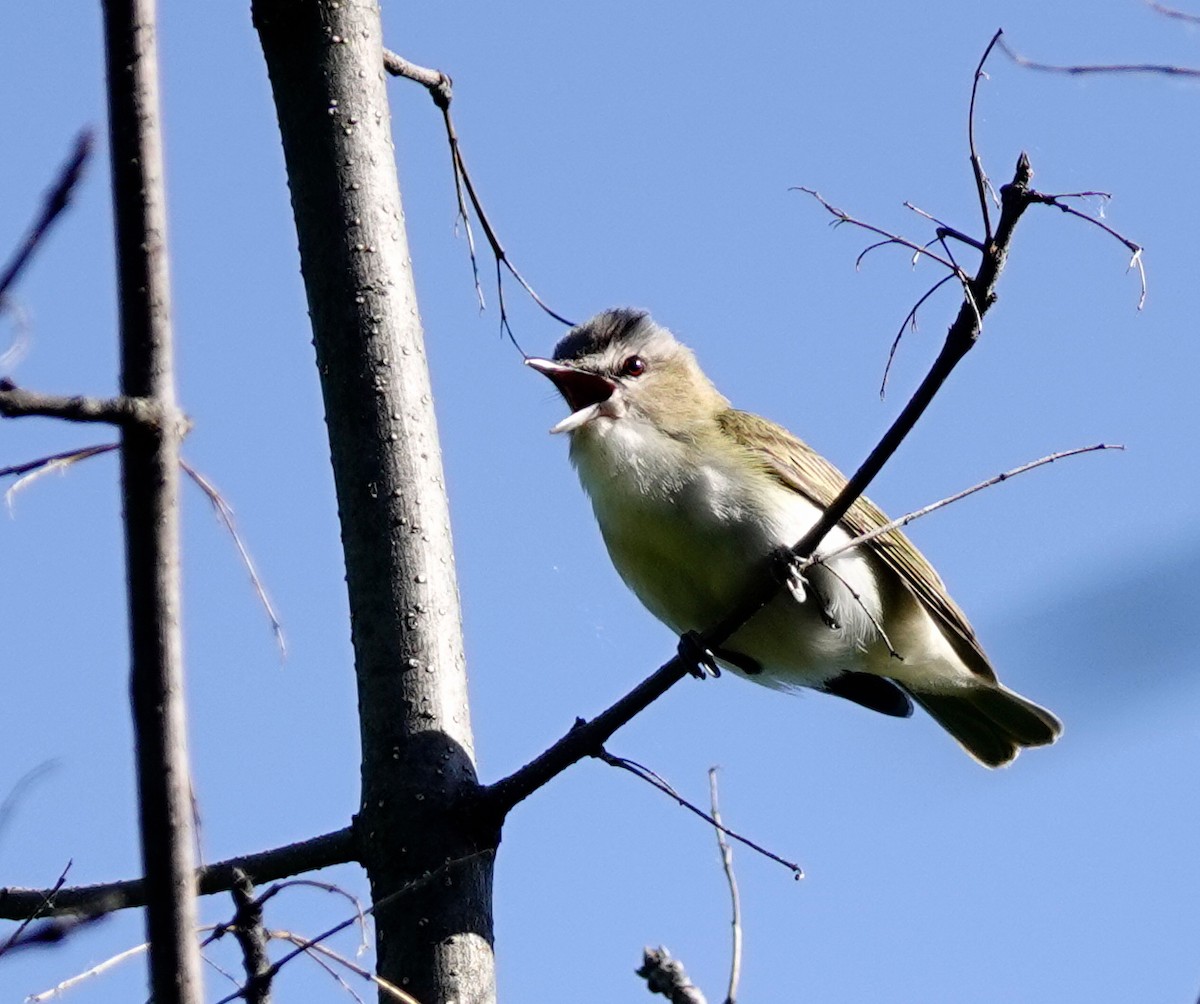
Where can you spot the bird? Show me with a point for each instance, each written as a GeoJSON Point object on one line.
{"type": "Point", "coordinates": [693, 496]}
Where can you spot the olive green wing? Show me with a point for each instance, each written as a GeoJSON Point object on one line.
{"type": "Point", "coordinates": [798, 467]}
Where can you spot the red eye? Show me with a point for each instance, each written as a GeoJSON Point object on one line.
{"type": "Point", "coordinates": [633, 366]}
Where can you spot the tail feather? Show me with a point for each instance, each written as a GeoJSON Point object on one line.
{"type": "Point", "coordinates": [989, 721]}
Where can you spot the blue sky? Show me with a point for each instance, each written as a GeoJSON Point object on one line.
{"type": "Point", "coordinates": [642, 154]}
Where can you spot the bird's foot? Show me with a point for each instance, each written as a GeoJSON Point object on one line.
{"type": "Point", "coordinates": [790, 575]}
{"type": "Point", "coordinates": [789, 570]}
{"type": "Point", "coordinates": [697, 656]}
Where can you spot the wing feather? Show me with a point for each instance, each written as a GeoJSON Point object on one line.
{"type": "Point", "coordinates": [800, 468]}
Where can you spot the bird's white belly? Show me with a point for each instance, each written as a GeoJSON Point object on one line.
{"type": "Point", "coordinates": [689, 541]}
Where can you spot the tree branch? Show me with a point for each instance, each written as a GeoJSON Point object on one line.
{"type": "Point", "coordinates": [150, 491]}
{"type": "Point", "coordinates": [120, 411]}
{"type": "Point", "coordinates": [336, 848]}
{"type": "Point", "coordinates": [252, 939]}
{"type": "Point", "coordinates": [1082, 69]}
{"type": "Point", "coordinates": [55, 202]}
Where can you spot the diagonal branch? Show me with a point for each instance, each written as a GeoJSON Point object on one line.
{"type": "Point", "coordinates": [656, 780]}
{"type": "Point", "coordinates": [55, 202]}
{"type": "Point", "coordinates": [907, 518]}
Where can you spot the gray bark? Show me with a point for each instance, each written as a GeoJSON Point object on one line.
{"type": "Point", "coordinates": [150, 488]}
{"type": "Point", "coordinates": [418, 765]}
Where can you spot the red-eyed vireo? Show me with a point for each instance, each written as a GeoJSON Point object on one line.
{"type": "Point", "coordinates": [692, 496]}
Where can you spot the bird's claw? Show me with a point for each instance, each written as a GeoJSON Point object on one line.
{"type": "Point", "coordinates": [789, 573]}
{"type": "Point", "coordinates": [697, 656]}
{"type": "Point", "coordinates": [789, 569]}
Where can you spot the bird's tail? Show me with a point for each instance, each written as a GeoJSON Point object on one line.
{"type": "Point", "coordinates": [989, 721]}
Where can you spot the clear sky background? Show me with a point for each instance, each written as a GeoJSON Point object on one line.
{"type": "Point", "coordinates": [642, 154]}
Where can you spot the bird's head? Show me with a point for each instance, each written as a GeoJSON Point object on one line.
{"type": "Point", "coordinates": [621, 365]}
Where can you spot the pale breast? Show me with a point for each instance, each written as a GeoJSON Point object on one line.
{"type": "Point", "coordinates": [687, 537]}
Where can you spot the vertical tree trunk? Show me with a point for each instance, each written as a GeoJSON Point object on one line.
{"type": "Point", "coordinates": [150, 486]}
{"type": "Point", "coordinates": [418, 766]}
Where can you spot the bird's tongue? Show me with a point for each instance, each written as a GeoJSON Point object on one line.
{"type": "Point", "coordinates": [581, 388]}
{"type": "Point", "coordinates": [583, 391]}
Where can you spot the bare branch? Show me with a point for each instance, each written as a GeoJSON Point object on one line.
{"type": "Point", "coordinates": [55, 202]}
{"type": "Point", "coordinates": [407, 889]}
{"type": "Point", "coordinates": [95, 970]}
{"type": "Point", "coordinates": [431, 79]}
{"type": "Point", "coordinates": [875, 622]}
{"type": "Point", "coordinates": [439, 86]}
{"type": "Point", "coordinates": [252, 938]}
{"type": "Point", "coordinates": [16, 939]}
{"type": "Point", "coordinates": [904, 520]}
{"type": "Point", "coordinates": [23, 785]}
{"type": "Point", "coordinates": [910, 319]}
{"type": "Point", "coordinates": [656, 780]}
{"type": "Point", "coordinates": [313, 951]}
{"type": "Point", "coordinates": [328, 849]}
{"type": "Point", "coordinates": [120, 411]}
{"type": "Point", "coordinates": [1166, 11]}
{"type": "Point", "coordinates": [981, 182]}
{"type": "Point", "coordinates": [150, 497]}
{"type": "Point", "coordinates": [841, 216]}
{"type": "Point", "coordinates": [1086, 68]}
{"type": "Point", "coordinates": [31, 470]}
{"type": "Point", "coordinates": [1134, 248]}
{"type": "Point", "coordinates": [735, 900]}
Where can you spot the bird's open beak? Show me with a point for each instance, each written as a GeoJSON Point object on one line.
{"type": "Point", "coordinates": [584, 392]}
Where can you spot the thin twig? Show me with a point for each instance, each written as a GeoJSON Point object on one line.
{"type": "Point", "coordinates": [658, 781]}
{"type": "Point", "coordinates": [862, 604]}
{"type": "Point", "coordinates": [33, 465]}
{"type": "Point", "coordinates": [404, 890]}
{"type": "Point", "coordinates": [1166, 11]}
{"type": "Point", "coordinates": [315, 954]}
{"type": "Point", "coordinates": [909, 319]}
{"type": "Point", "coordinates": [388, 988]}
{"type": "Point", "coordinates": [1086, 68]}
{"type": "Point", "coordinates": [440, 89]}
{"type": "Point", "coordinates": [96, 970]}
{"type": "Point", "coordinates": [840, 217]}
{"type": "Point", "coordinates": [1134, 248]}
{"type": "Point", "coordinates": [15, 939]}
{"type": "Point", "coordinates": [24, 783]}
{"type": "Point", "coordinates": [904, 520]}
{"type": "Point", "coordinates": [735, 900]}
{"type": "Point", "coordinates": [944, 229]}
{"type": "Point", "coordinates": [55, 202]}
{"type": "Point", "coordinates": [981, 182]}
{"type": "Point", "coordinates": [225, 514]}
{"type": "Point", "coordinates": [31, 470]}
